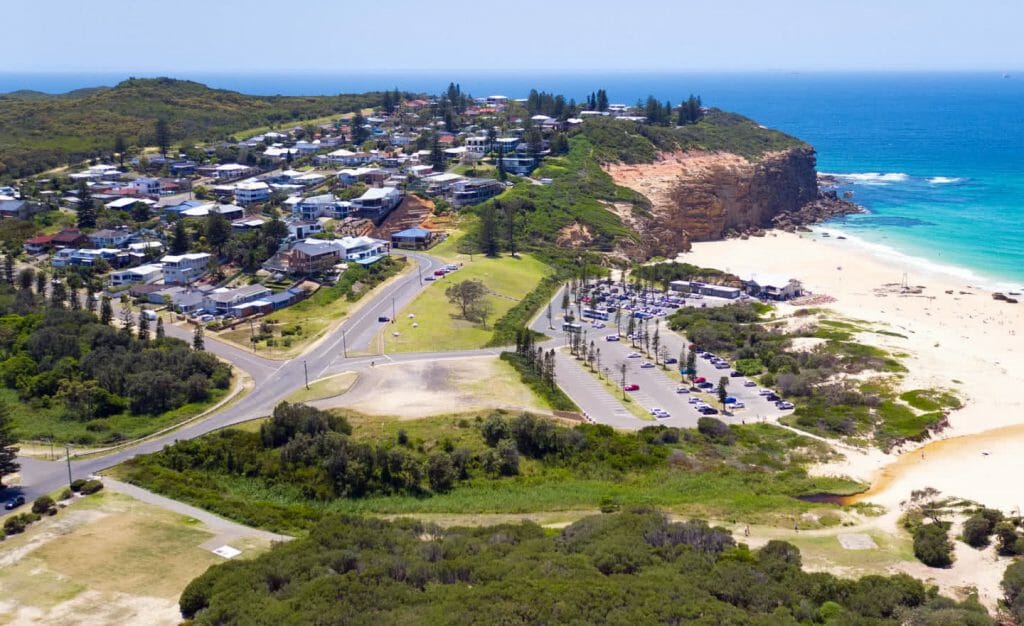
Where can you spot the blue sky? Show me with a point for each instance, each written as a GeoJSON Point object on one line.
{"type": "Point", "coordinates": [343, 36]}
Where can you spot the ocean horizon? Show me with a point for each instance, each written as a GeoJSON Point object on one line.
{"type": "Point", "coordinates": [935, 157]}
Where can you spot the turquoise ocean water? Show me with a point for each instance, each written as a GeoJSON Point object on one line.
{"type": "Point", "coordinates": [938, 159]}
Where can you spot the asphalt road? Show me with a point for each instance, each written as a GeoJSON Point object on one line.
{"type": "Point", "coordinates": [274, 380]}
{"type": "Point", "coordinates": [349, 348]}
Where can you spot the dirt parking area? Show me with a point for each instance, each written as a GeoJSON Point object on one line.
{"type": "Point", "coordinates": [425, 388]}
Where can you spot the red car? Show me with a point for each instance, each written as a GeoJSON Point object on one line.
{"type": "Point", "coordinates": [632, 387]}
{"type": "Point", "coordinates": [439, 272]}
{"type": "Point", "coordinates": [700, 379]}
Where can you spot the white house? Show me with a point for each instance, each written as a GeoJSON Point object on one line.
{"type": "Point", "coordinates": [230, 171]}
{"type": "Point", "coordinates": [479, 145]}
{"type": "Point", "coordinates": [220, 301]}
{"type": "Point", "coordinates": [147, 186]}
{"type": "Point", "coordinates": [249, 193]}
{"type": "Point", "coordinates": [184, 268]}
{"type": "Point", "coordinates": [108, 238]}
{"type": "Point", "coordinates": [143, 274]}
{"type": "Point", "coordinates": [377, 202]}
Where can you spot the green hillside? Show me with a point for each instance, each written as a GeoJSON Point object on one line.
{"type": "Point", "coordinates": [717, 131]}
{"type": "Point", "coordinates": [39, 131]}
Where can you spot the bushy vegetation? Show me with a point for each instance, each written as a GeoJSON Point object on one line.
{"type": "Point", "coordinates": [717, 131]}
{"type": "Point", "coordinates": [827, 401]}
{"type": "Point", "coordinates": [932, 545]}
{"type": "Point", "coordinates": [288, 478]}
{"type": "Point", "coordinates": [577, 196]}
{"type": "Point", "coordinates": [537, 380]}
{"type": "Point", "coordinates": [67, 363]}
{"type": "Point", "coordinates": [1013, 589]}
{"type": "Point", "coordinates": [634, 567]}
{"type": "Point", "coordinates": [39, 131]}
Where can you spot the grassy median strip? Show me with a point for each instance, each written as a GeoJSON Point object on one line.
{"type": "Point", "coordinates": [325, 388]}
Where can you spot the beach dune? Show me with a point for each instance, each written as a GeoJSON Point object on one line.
{"type": "Point", "coordinates": [956, 336]}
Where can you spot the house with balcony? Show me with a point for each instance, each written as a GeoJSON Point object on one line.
{"type": "Point", "coordinates": [376, 203]}
{"type": "Point", "coordinates": [109, 238]}
{"type": "Point", "coordinates": [141, 275]}
{"type": "Point", "coordinates": [251, 193]}
{"type": "Point", "coordinates": [221, 301]}
{"type": "Point", "coordinates": [182, 269]}
{"type": "Point", "coordinates": [474, 191]}
{"type": "Point", "coordinates": [146, 186]}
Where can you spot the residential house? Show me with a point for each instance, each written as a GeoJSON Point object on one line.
{"type": "Point", "coordinates": [126, 204]}
{"type": "Point", "coordinates": [311, 256]}
{"type": "Point", "coordinates": [249, 193]}
{"type": "Point", "coordinates": [324, 205]}
{"type": "Point", "coordinates": [474, 190]}
{"type": "Point", "coordinates": [229, 211]}
{"type": "Point", "coordinates": [182, 168]}
{"type": "Point", "coordinates": [247, 224]}
{"type": "Point", "coordinates": [505, 145]}
{"type": "Point", "coordinates": [183, 269]}
{"type": "Point", "coordinates": [66, 257]}
{"type": "Point", "coordinates": [519, 163]}
{"type": "Point", "coordinates": [377, 202]}
{"type": "Point", "coordinates": [413, 239]}
{"type": "Point", "coordinates": [108, 238]}
{"type": "Point", "coordinates": [97, 172]}
{"type": "Point", "coordinates": [147, 186]}
{"type": "Point", "coordinates": [37, 245]}
{"type": "Point", "coordinates": [10, 207]}
{"type": "Point", "coordinates": [233, 171]}
{"type": "Point", "coordinates": [220, 301]}
{"type": "Point", "coordinates": [301, 229]}
{"type": "Point", "coordinates": [478, 145]}
{"type": "Point", "coordinates": [70, 238]}
{"type": "Point", "coordinates": [144, 274]}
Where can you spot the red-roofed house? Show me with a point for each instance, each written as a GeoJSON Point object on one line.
{"type": "Point", "coordinates": [70, 238]}
{"type": "Point", "coordinates": [38, 244]}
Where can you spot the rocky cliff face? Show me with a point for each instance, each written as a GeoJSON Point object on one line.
{"type": "Point", "coordinates": [700, 196]}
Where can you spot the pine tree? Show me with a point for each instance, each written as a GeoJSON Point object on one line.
{"type": "Point", "coordinates": [127, 317]}
{"type": "Point", "coordinates": [163, 136]}
{"type": "Point", "coordinates": [120, 148]}
{"type": "Point", "coordinates": [159, 328]}
{"type": "Point", "coordinates": [8, 444]}
{"type": "Point", "coordinates": [179, 238]}
{"type": "Point", "coordinates": [106, 311]}
{"type": "Point", "coordinates": [41, 280]}
{"type": "Point", "coordinates": [86, 207]}
{"type": "Point", "coordinates": [143, 327]}
{"type": "Point", "coordinates": [90, 300]}
{"type": "Point", "coordinates": [489, 231]}
{"type": "Point", "coordinates": [9, 268]}
{"type": "Point", "coordinates": [198, 341]}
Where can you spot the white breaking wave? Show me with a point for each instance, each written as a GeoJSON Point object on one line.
{"type": "Point", "coordinates": [872, 178]}
{"type": "Point", "coordinates": [944, 180]}
{"type": "Point", "coordinates": [913, 262]}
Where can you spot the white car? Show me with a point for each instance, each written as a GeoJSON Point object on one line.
{"type": "Point", "coordinates": [646, 365]}
{"type": "Point", "coordinates": [655, 411]}
{"type": "Point", "coordinates": [598, 324]}
{"type": "Point", "coordinates": [764, 392]}
{"type": "Point", "coordinates": [737, 405]}
{"type": "Point", "coordinates": [682, 390]}
{"type": "Point", "coordinates": [785, 406]}
{"type": "Point", "coordinates": [694, 400]}
{"type": "Point", "coordinates": [750, 383]}
{"type": "Point", "coordinates": [612, 338]}
{"type": "Point", "coordinates": [633, 355]}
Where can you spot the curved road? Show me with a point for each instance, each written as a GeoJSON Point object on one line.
{"type": "Point", "coordinates": [273, 380]}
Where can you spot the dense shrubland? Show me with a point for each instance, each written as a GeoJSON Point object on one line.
{"type": "Point", "coordinates": [632, 567]}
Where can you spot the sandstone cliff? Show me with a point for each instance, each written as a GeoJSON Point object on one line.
{"type": "Point", "coordinates": [700, 196]}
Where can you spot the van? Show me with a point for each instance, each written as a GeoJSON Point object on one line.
{"type": "Point", "coordinates": [149, 314]}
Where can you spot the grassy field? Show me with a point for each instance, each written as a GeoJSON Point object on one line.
{"type": "Point", "coordinates": [46, 423]}
{"type": "Point", "coordinates": [438, 328]}
{"type": "Point", "coordinates": [108, 557]}
{"type": "Point", "coordinates": [753, 480]}
{"type": "Point", "coordinates": [296, 327]}
{"type": "Point", "coordinates": [325, 388]}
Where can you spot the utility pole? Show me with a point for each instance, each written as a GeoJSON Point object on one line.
{"type": "Point", "coordinates": [305, 372]}
{"type": "Point", "coordinates": [344, 346]}
{"type": "Point", "coordinates": [67, 451]}
{"type": "Point", "coordinates": [419, 273]}
{"type": "Point", "coordinates": [392, 310]}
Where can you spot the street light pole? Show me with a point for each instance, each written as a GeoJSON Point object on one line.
{"type": "Point", "coordinates": [67, 451]}
{"type": "Point", "coordinates": [305, 372]}
{"type": "Point", "coordinates": [392, 310]}
{"type": "Point", "coordinates": [344, 347]}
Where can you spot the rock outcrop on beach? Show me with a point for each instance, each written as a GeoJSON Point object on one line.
{"type": "Point", "coordinates": [701, 196]}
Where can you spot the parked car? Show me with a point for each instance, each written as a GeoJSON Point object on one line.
{"type": "Point", "coordinates": [682, 390]}
{"type": "Point", "coordinates": [671, 361]}
{"type": "Point", "coordinates": [765, 392]}
{"type": "Point", "coordinates": [700, 379]}
{"type": "Point", "coordinates": [750, 383]}
{"type": "Point", "coordinates": [633, 355]}
{"type": "Point", "coordinates": [439, 272]}
{"type": "Point", "coordinates": [631, 387]}
{"type": "Point", "coordinates": [709, 411]}
{"type": "Point", "coordinates": [14, 502]}
{"type": "Point", "coordinates": [772, 398]}
{"type": "Point", "coordinates": [737, 405]}
{"type": "Point", "coordinates": [428, 278]}
{"type": "Point", "coordinates": [735, 374]}
{"type": "Point", "coordinates": [646, 365]}
{"type": "Point", "coordinates": [612, 338]}
{"type": "Point", "coordinates": [785, 406]}
{"type": "Point", "coordinates": [383, 318]}
{"type": "Point", "coordinates": [694, 400]}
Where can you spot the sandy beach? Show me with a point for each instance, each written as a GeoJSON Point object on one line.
{"type": "Point", "coordinates": [964, 341]}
